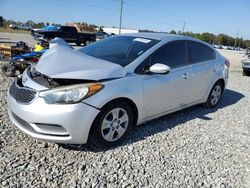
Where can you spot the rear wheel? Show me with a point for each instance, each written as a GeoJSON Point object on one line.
{"type": "Point", "coordinates": [8, 69]}
{"type": "Point", "coordinates": [214, 95]}
{"type": "Point", "coordinates": [111, 125]}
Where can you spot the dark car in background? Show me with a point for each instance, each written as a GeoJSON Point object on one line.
{"type": "Point", "coordinates": [68, 33]}
{"type": "Point", "coordinates": [101, 35]}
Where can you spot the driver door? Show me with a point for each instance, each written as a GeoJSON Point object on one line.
{"type": "Point", "coordinates": [166, 92]}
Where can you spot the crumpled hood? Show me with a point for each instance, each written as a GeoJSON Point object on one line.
{"type": "Point", "coordinates": [63, 62]}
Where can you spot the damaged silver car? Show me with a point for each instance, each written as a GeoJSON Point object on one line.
{"type": "Point", "coordinates": [101, 91]}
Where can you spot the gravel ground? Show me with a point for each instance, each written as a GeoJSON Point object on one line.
{"type": "Point", "coordinates": [196, 147]}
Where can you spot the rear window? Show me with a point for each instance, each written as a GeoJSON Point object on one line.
{"type": "Point", "coordinates": [68, 29]}
{"type": "Point", "coordinates": [199, 52]}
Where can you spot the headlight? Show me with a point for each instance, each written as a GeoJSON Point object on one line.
{"type": "Point", "coordinates": [70, 94]}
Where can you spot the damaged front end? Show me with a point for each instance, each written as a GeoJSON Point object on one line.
{"type": "Point", "coordinates": [55, 91]}
{"type": "Point", "coordinates": [45, 108]}
{"type": "Point", "coordinates": [50, 83]}
{"type": "Point", "coordinates": [66, 76]}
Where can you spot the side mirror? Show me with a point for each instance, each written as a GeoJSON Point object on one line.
{"type": "Point", "coordinates": [159, 68]}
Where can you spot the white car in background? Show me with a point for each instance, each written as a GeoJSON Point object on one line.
{"type": "Point", "coordinates": [20, 27]}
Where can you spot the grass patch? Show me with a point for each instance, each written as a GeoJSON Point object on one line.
{"type": "Point", "coordinates": [9, 30]}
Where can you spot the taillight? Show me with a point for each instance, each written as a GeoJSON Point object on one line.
{"type": "Point", "coordinates": [227, 63]}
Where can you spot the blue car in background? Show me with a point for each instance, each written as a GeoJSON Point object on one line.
{"type": "Point", "coordinates": [35, 32]}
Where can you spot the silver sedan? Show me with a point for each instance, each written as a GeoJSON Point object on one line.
{"type": "Point", "coordinates": [101, 91]}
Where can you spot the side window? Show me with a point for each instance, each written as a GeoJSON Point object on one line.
{"type": "Point", "coordinates": [173, 55]}
{"type": "Point", "coordinates": [72, 30]}
{"type": "Point", "coordinates": [199, 52]}
{"type": "Point", "coordinates": [66, 30]}
{"type": "Point", "coordinates": [62, 29]}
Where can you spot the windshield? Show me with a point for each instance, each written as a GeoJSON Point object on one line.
{"type": "Point", "coordinates": [121, 50]}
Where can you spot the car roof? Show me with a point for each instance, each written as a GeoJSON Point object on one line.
{"type": "Point", "coordinates": [165, 37]}
{"type": "Point", "coordinates": [157, 36]}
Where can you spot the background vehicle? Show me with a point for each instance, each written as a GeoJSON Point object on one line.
{"type": "Point", "coordinates": [21, 27]}
{"type": "Point", "coordinates": [67, 33]}
{"type": "Point", "coordinates": [101, 35]}
{"type": "Point", "coordinates": [246, 67]}
{"type": "Point", "coordinates": [112, 85]}
{"type": "Point", "coordinates": [34, 32]}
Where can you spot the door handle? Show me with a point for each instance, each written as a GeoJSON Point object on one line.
{"type": "Point", "coordinates": [185, 76]}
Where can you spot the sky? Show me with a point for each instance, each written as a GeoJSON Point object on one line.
{"type": "Point", "coordinates": [231, 17]}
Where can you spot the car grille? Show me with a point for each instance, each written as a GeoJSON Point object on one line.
{"type": "Point", "coordinates": [22, 94]}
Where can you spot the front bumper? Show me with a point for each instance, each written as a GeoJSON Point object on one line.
{"type": "Point", "coordinates": [69, 123]}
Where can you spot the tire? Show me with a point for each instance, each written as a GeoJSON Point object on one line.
{"type": "Point", "coordinates": [87, 42]}
{"type": "Point", "coordinates": [78, 43]}
{"type": "Point", "coordinates": [105, 129]}
{"type": "Point", "coordinates": [8, 70]}
{"type": "Point", "coordinates": [246, 73]}
{"type": "Point", "coordinates": [214, 95]}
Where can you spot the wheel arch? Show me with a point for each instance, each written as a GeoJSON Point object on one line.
{"type": "Point", "coordinates": [207, 102]}
{"type": "Point", "coordinates": [93, 131]}
{"type": "Point", "coordinates": [212, 85]}
{"type": "Point", "coordinates": [131, 104]}
{"type": "Point", "coordinates": [222, 81]}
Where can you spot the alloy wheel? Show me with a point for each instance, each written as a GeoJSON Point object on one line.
{"type": "Point", "coordinates": [115, 124]}
{"type": "Point", "coordinates": [216, 93]}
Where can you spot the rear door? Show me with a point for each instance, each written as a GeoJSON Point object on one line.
{"type": "Point", "coordinates": [164, 92]}
{"type": "Point", "coordinates": [202, 59]}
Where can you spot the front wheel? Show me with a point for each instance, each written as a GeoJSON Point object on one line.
{"type": "Point", "coordinates": [8, 69]}
{"type": "Point", "coordinates": [111, 125]}
{"type": "Point", "coordinates": [214, 95]}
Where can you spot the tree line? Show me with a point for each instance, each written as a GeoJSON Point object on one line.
{"type": "Point", "coordinates": [220, 39]}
